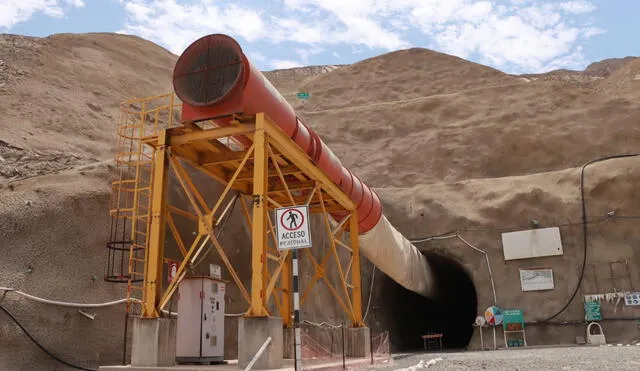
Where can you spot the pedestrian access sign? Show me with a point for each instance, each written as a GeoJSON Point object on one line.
{"type": "Point", "coordinates": [292, 227]}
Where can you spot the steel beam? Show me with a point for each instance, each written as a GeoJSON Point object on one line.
{"type": "Point", "coordinates": [155, 248]}
{"type": "Point", "coordinates": [210, 134]}
{"type": "Point", "coordinates": [356, 291]}
{"type": "Point", "coordinates": [259, 224]}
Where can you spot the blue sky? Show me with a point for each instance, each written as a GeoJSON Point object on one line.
{"type": "Point", "coordinates": [516, 36]}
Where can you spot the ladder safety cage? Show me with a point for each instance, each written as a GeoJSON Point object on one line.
{"type": "Point", "coordinates": [130, 204]}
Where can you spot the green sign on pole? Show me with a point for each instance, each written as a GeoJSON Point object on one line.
{"type": "Point", "coordinates": [513, 320]}
{"type": "Point", "coordinates": [303, 96]}
{"type": "Point", "coordinates": [512, 316]}
{"type": "Point", "coordinates": [592, 311]}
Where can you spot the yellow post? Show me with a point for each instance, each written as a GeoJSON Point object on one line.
{"type": "Point", "coordinates": [285, 282]}
{"type": "Point", "coordinates": [356, 293]}
{"type": "Point", "coordinates": [155, 249]}
{"type": "Point", "coordinates": [259, 224]}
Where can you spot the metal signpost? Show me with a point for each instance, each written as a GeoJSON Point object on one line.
{"type": "Point", "coordinates": [292, 230]}
{"type": "Point", "coordinates": [479, 323]}
{"type": "Point", "coordinates": [493, 316]}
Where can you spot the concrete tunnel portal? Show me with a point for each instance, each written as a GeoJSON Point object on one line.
{"type": "Point", "coordinates": [409, 315]}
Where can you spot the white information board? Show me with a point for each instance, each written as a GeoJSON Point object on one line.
{"type": "Point", "coordinates": [292, 227]}
{"type": "Point", "coordinates": [536, 279]}
{"type": "Point", "coordinates": [532, 243]}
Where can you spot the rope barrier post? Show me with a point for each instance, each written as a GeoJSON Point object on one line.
{"type": "Point", "coordinates": [371, 346]}
{"type": "Point", "coordinates": [344, 360]}
{"type": "Point", "coordinates": [124, 342]}
{"type": "Point", "coordinates": [297, 348]}
{"type": "Point", "coordinates": [258, 354]}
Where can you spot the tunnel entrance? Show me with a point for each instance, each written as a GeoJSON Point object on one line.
{"type": "Point", "coordinates": [410, 315]}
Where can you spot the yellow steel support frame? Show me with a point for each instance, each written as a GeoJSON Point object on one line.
{"type": "Point", "coordinates": [155, 250]}
{"type": "Point", "coordinates": [259, 224]}
{"type": "Point", "coordinates": [273, 172]}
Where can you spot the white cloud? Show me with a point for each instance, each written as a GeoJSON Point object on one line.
{"type": "Point", "coordinates": [175, 24]}
{"type": "Point", "coordinates": [291, 29]}
{"type": "Point", "coordinates": [257, 56]}
{"type": "Point", "coordinates": [527, 36]}
{"type": "Point", "coordinates": [592, 31]}
{"type": "Point", "coordinates": [76, 3]}
{"type": "Point", "coordinates": [577, 7]}
{"type": "Point", "coordinates": [514, 35]}
{"type": "Point", "coordinates": [13, 12]}
{"type": "Point", "coordinates": [306, 53]}
{"type": "Point", "coordinates": [282, 64]}
{"type": "Point", "coordinates": [513, 42]}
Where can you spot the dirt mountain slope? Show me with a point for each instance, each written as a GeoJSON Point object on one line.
{"type": "Point", "coordinates": [606, 67]}
{"type": "Point", "coordinates": [624, 82]}
{"type": "Point", "coordinates": [60, 96]}
{"type": "Point", "coordinates": [414, 117]}
{"type": "Point", "coordinates": [404, 74]}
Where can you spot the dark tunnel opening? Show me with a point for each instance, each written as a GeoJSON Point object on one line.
{"type": "Point", "coordinates": [410, 315]}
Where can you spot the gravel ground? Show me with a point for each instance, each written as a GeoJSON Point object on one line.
{"type": "Point", "coordinates": [569, 358]}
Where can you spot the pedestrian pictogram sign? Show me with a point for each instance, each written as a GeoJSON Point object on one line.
{"type": "Point", "coordinates": [292, 227]}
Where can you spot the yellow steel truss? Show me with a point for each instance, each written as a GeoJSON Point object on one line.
{"type": "Point", "coordinates": [272, 172]}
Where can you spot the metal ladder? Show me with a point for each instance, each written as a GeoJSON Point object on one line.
{"type": "Point", "coordinates": [131, 192]}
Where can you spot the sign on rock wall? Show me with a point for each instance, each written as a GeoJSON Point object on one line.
{"type": "Point", "coordinates": [532, 243]}
{"type": "Point", "coordinates": [632, 299]}
{"type": "Point", "coordinates": [592, 311]}
{"type": "Point", "coordinates": [536, 279]}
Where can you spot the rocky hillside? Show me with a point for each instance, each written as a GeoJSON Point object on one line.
{"type": "Point", "coordinates": [423, 117]}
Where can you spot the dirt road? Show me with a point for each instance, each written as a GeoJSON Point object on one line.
{"type": "Point", "coordinates": [571, 358]}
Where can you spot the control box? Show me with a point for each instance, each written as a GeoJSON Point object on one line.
{"type": "Point", "coordinates": [200, 332]}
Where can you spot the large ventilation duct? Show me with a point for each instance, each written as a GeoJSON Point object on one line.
{"type": "Point", "coordinates": [214, 79]}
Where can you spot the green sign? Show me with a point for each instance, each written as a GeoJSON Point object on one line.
{"type": "Point", "coordinates": [592, 311]}
{"type": "Point", "coordinates": [513, 320]}
{"type": "Point", "coordinates": [513, 316]}
{"type": "Point", "coordinates": [303, 96]}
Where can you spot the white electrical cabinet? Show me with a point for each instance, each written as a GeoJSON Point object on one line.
{"type": "Point", "coordinates": [200, 337]}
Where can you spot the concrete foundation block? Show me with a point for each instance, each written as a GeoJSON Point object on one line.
{"type": "Point", "coordinates": [358, 342]}
{"type": "Point", "coordinates": [153, 342]}
{"type": "Point", "coordinates": [288, 342]}
{"type": "Point", "coordinates": [252, 333]}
